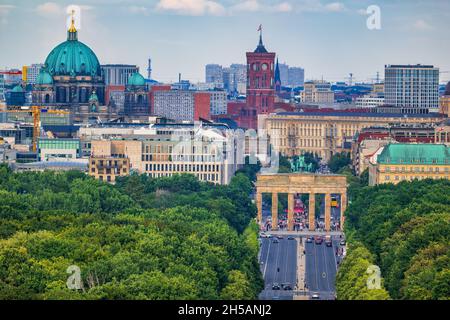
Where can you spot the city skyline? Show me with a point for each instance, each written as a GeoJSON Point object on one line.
{"type": "Point", "coordinates": [182, 36]}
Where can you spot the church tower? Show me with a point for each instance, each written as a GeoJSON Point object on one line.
{"type": "Point", "coordinates": [277, 78]}
{"type": "Point", "coordinates": [260, 78]}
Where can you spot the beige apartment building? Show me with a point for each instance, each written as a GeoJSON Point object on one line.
{"type": "Point", "coordinates": [327, 133]}
{"type": "Point", "coordinates": [107, 169]}
{"type": "Point", "coordinates": [317, 92]}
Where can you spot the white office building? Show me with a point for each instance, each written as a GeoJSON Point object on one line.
{"type": "Point", "coordinates": [369, 102]}
{"type": "Point", "coordinates": [33, 72]}
{"type": "Point", "coordinates": [412, 86]}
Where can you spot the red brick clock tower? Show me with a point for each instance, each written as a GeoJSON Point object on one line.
{"type": "Point", "coordinates": [260, 83]}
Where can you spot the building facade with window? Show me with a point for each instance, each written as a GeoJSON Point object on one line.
{"type": "Point", "coordinates": [327, 133]}
{"type": "Point", "coordinates": [50, 149]}
{"type": "Point", "coordinates": [406, 162]}
{"type": "Point", "coordinates": [413, 86]}
{"type": "Point", "coordinates": [163, 150]}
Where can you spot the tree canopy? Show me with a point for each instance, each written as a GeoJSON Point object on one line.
{"type": "Point", "coordinates": [406, 230]}
{"type": "Point", "coordinates": [143, 238]}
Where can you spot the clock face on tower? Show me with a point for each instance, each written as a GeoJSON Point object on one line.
{"type": "Point", "coordinates": [264, 67]}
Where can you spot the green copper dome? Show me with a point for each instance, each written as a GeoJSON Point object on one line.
{"type": "Point", "coordinates": [73, 58]}
{"type": "Point", "coordinates": [17, 88]}
{"type": "Point", "coordinates": [136, 79]}
{"type": "Point", "coordinates": [44, 78]}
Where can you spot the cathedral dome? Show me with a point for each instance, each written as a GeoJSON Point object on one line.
{"type": "Point", "coordinates": [17, 88]}
{"type": "Point", "coordinates": [44, 78]}
{"type": "Point", "coordinates": [72, 57]}
{"type": "Point", "coordinates": [136, 79]}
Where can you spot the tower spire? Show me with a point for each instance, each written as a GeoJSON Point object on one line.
{"type": "Point", "coordinates": [260, 48]}
{"type": "Point", "coordinates": [72, 32]}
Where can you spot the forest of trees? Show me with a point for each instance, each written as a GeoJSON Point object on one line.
{"type": "Point", "coordinates": [405, 230]}
{"type": "Point", "coordinates": [143, 238]}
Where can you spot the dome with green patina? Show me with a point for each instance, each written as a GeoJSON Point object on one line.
{"type": "Point", "coordinates": [44, 78]}
{"type": "Point", "coordinates": [73, 58]}
{"type": "Point", "coordinates": [136, 79]}
{"type": "Point", "coordinates": [17, 88]}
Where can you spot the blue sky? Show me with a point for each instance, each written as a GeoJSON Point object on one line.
{"type": "Point", "coordinates": [328, 38]}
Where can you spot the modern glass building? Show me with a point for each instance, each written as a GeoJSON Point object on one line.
{"type": "Point", "coordinates": [58, 148]}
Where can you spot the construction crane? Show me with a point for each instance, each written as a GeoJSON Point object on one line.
{"type": "Point", "coordinates": [36, 111]}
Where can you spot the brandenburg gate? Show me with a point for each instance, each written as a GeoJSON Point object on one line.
{"type": "Point", "coordinates": [301, 183]}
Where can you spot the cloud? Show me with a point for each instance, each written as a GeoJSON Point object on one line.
{"type": "Point", "coordinates": [5, 9]}
{"type": "Point", "coordinates": [335, 7]}
{"type": "Point", "coordinates": [249, 5]}
{"type": "Point", "coordinates": [257, 6]}
{"type": "Point", "coordinates": [318, 6]}
{"type": "Point", "coordinates": [138, 10]}
{"type": "Point", "coordinates": [49, 8]}
{"type": "Point", "coordinates": [422, 25]}
{"type": "Point", "coordinates": [283, 7]}
{"type": "Point", "coordinates": [191, 7]}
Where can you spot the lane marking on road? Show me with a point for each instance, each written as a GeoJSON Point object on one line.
{"type": "Point", "coordinates": [334, 255]}
{"type": "Point", "coordinates": [276, 262]}
{"type": "Point", "coordinates": [326, 268]}
{"type": "Point", "coordinates": [316, 267]}
{"type": "Point", "coordinates": [286, 262]}
{"type": "Point", "coordinates": [267, 259]}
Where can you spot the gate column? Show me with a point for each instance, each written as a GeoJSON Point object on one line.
{"type": "Point", "coordinates": [274, 211]}
{"type": "Point", "coordinates": [259, 206]}
{"type": "Point", "coordinates": [327, 211]}
{"type": "Point", "coordinates": [312, 212]}
{"type": "Point", "coordinates": [290, 215]}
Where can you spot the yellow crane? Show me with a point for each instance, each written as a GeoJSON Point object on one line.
{"type": "Point", "coordinates": [36, 111]}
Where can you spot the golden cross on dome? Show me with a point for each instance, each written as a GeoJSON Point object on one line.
{"type": "Point", "coordinates": [72, 26]}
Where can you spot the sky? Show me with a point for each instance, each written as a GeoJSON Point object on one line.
{"type": "Point", "coordinates": [330, 39]}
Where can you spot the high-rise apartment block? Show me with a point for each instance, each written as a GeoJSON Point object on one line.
{"type": "Point", "coordinates": [412, 86]}
{"type": "Point", "coordinates": [118, 74]}
{"type": "Point", "coordinates": [296, 77]}
{"type": "Point", "coordinates": [181, 105]}
{"type": "Point", "coordinates": [214, 74]}
{"type": "Point", "coordinates": [33, 72]}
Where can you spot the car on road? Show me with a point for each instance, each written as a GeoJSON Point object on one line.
{"type": "Point", "coordinates": [280, 236]}
{"type": "Point", "coordinates": [315, 296]}
{"type": "Point", "coordinates": [318, 240]}
{"type": "Point", "coordinates": [309, 240]}
{"type": "Point", "coordinates": [275, 240]}
{"type": "Point", "coordinates": [328, 241]}
{"type": "Point", "coordinates": [269, 236]}
{"type": "Point", "coordinates": [342, 243]}
{"type": "Point", "coordinates": [276, 286]}
{"type": "Point", "coordinates": [291, 238]}
{"type": "Point", "coordinates": [286, 286]}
